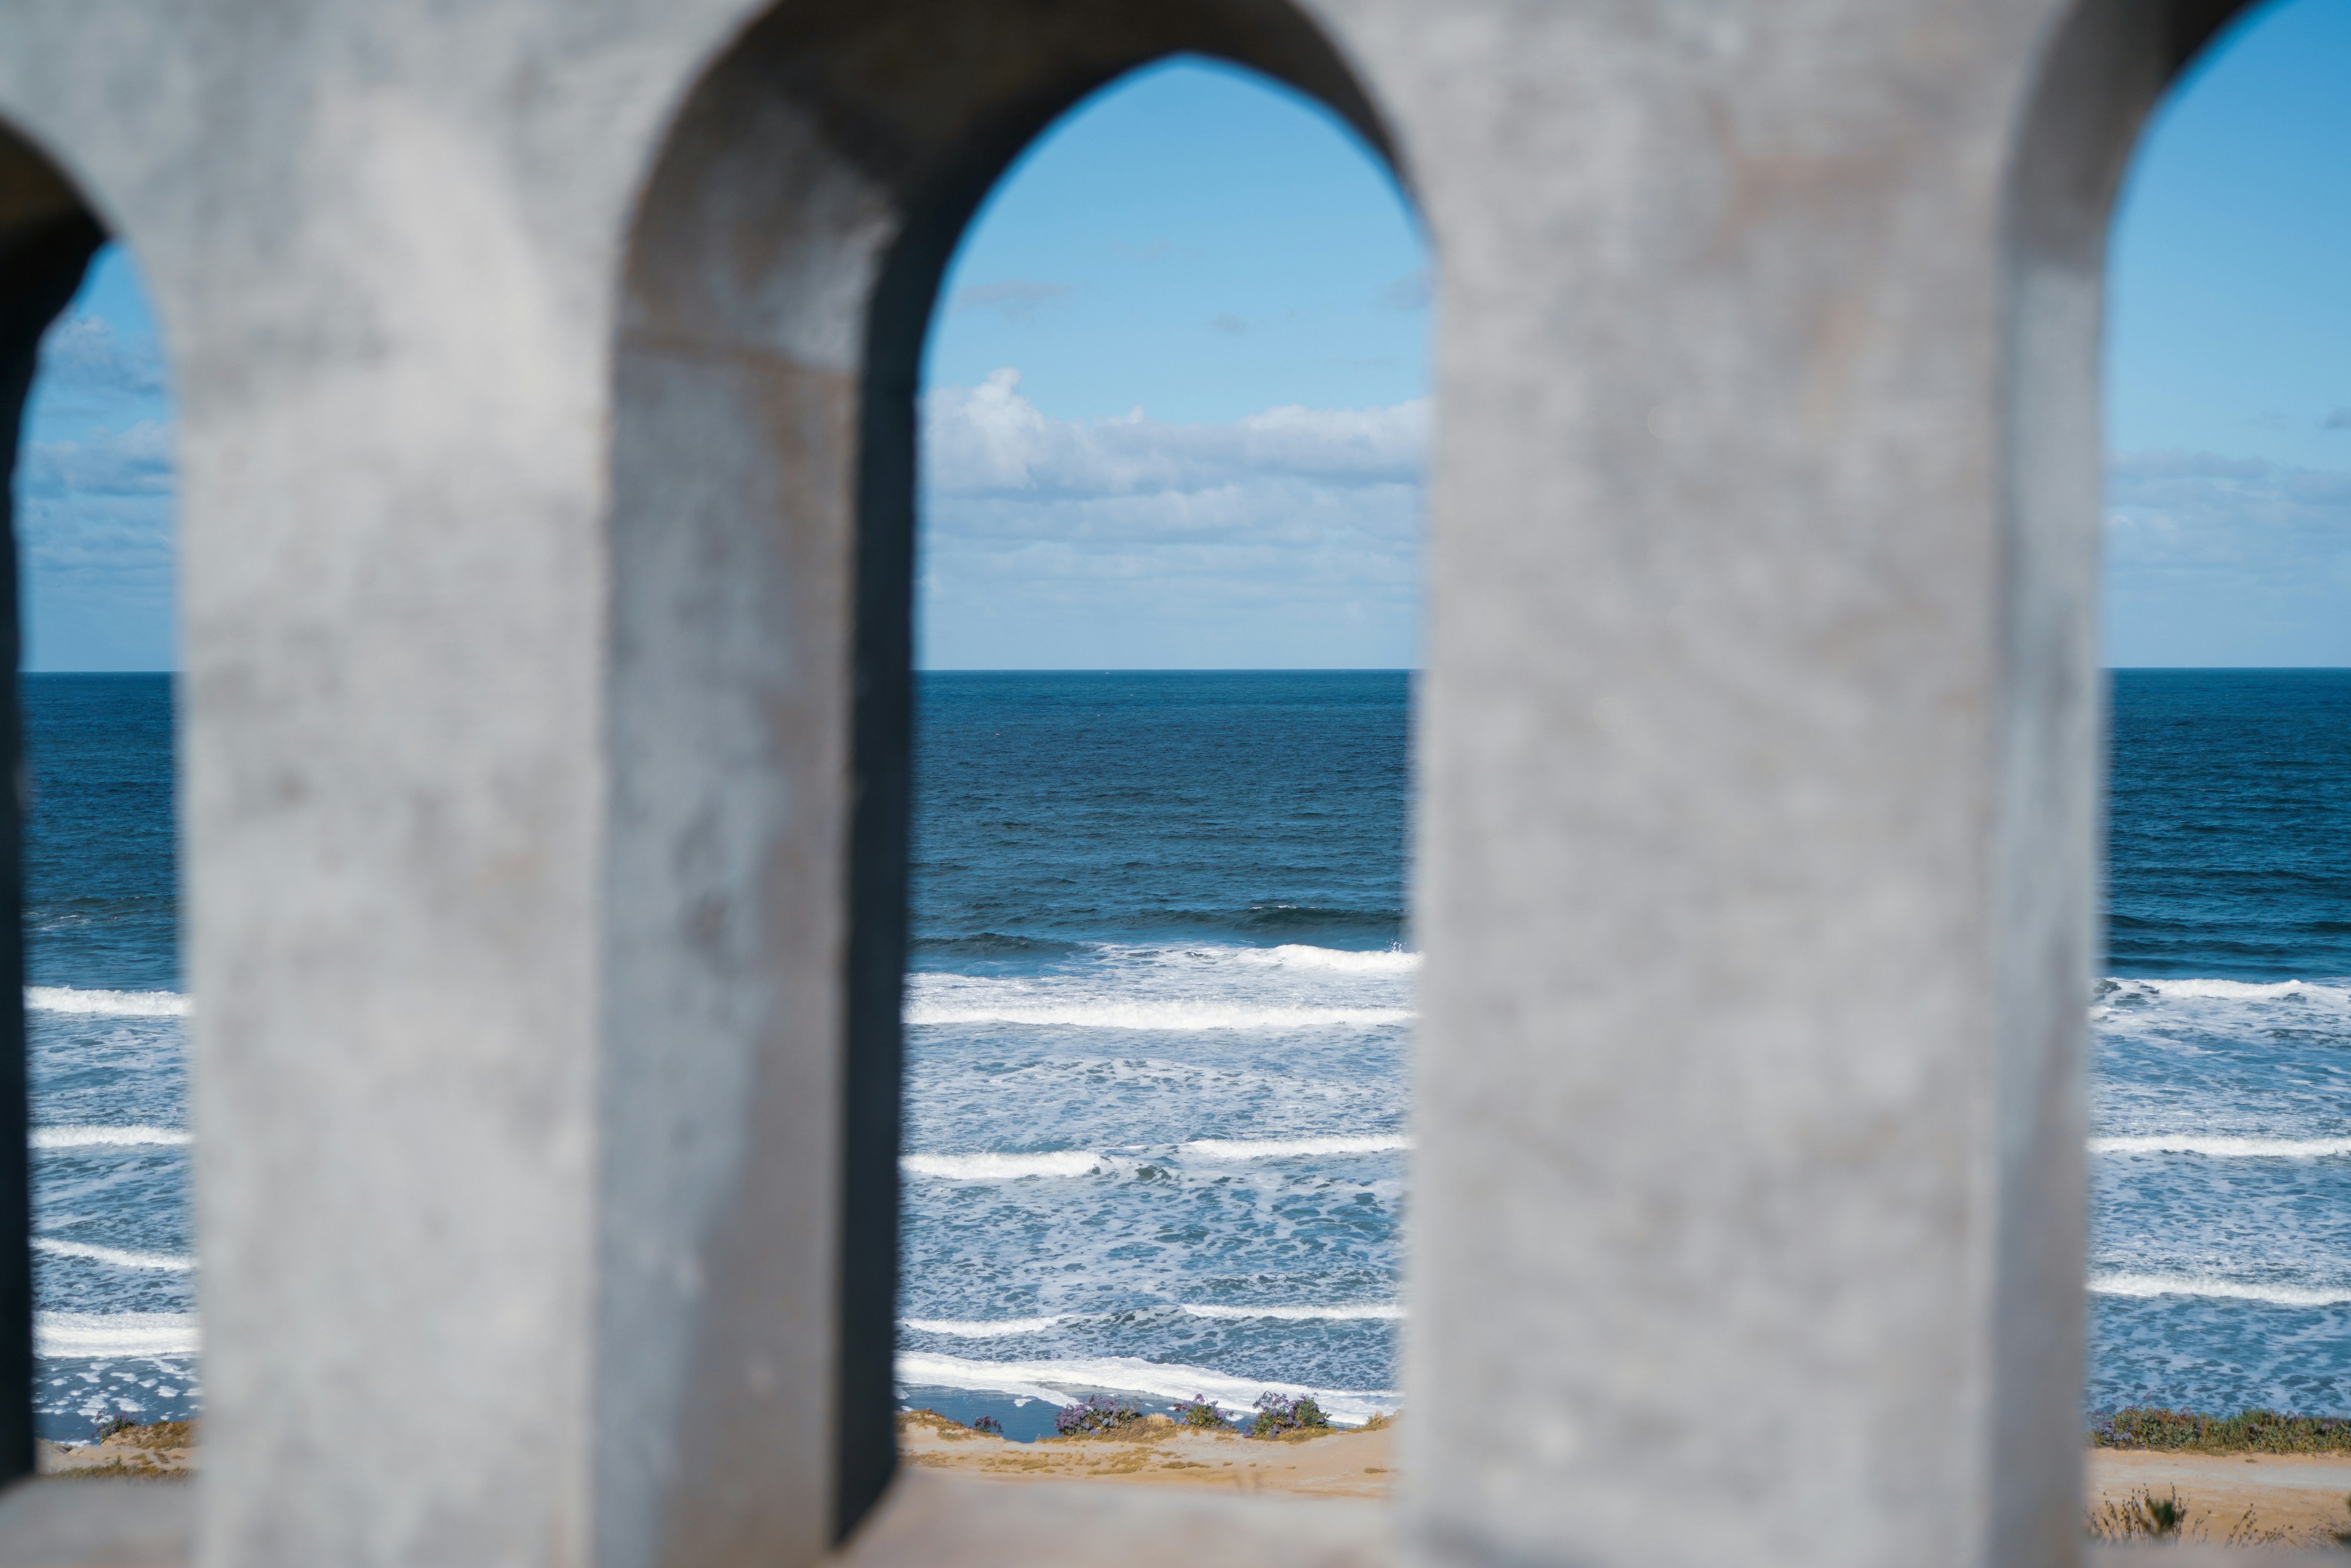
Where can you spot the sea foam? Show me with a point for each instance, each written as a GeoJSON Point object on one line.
{"type": "Point", "coordinates": [1331, 960]}
{"type": "Point", "coordinates": [1291, 1148]}
{"type": "Point", "coordinates": [58, 1334]}
{"type": "Point", "coordinates": [1060, 1381]}
{"type": "Point", "coordinates": [115, 1257]}
{"type": "Point", "coordinates": [1149, 1015]}
{"type": "Point", "coordinates": [2222, 1148]}
{"type": "Point", "coordinates": [2123, 1284]}
{"type": "Point", "coordinates": [984, 1328]}
{"type": "Point", "coordinates": [72, 1136]}
{"type": "Point", "coordinates": [1003, 1168]}
{"type": "Point", "coordinates": [105, 1004]}
{"type": "Point", "coordinates": [1368, 1311]}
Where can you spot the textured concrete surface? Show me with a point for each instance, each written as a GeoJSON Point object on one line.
{"type": "Point", "coordinates": [97, 1525]}
{"type": "Point", "coordinates": [545, 374]}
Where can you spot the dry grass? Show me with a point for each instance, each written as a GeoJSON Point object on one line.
{"type": "Point", "coordinates": [2147, 1516]}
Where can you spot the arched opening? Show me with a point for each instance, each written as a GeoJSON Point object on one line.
{"type": "Point", "coordinates": [783, 264]}
{"type": "Point", "coordinates": [2221, 1146]}
{"type": "Point", "coordinates": [2107, 67]}
{"type": "Point", "coordinates": [106, 1017]}
{"type": "Point", "coordinates": [48, 236]}
{"type": "Point", "coordinates": [1159, 994]}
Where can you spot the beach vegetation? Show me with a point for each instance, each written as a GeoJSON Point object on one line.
{"type": "Point", "coordinates": [2146, 1516]}
{"type": "Point", "coordinates": [2247, 1432]}
{"type": "Point", "coordinates": [1095, 1415]}
{"type": "Point", "coordinates": [1200, 1412]}
{"type": "Point", "coordinates": [987, 1425]}
{"type": "Point", "coordinates": [1282, 1418]}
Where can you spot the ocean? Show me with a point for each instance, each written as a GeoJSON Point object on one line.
{"type": "Point", "coordinates": [2221, 1080]}
{"type": "Point", "coordinates": [114, 1255]}
{"type": "Point", "coordinates": [1159, 1018]}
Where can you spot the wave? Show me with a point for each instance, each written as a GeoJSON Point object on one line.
{"type": "Point", "coordinates": [165, 1262]}
{"type": "Point", "coordinates": [87, 1138]}
{"type": "Point", "coordinates": [2223, 1290]}
{"type": "Point", "coordinates": [1331, 960]}
{"type": "Point", "coordinates": [106, 1004]}
{"type": "Point", "coordinates": [1372, 1310]}
{"type": "Point", "coordinates": [62, 1334]}
{"type": "Point", "coordinates": [1058, 1380]}
{"type": "Point", "coordinates": [984, 1328]}
{"type": "Point", "coordinates": [2206, 991]}
{"type": "Point", "coordinates": [992, 945]}
{"type": "Point", "coordinates": [1291, 1148]}
{"type": "Point", "coordinates": [1151, 1015]}
{"type": "Point", "coordinates": [2222, 1148]}
{"type": "Point", "coordinates": [1002, 1167]}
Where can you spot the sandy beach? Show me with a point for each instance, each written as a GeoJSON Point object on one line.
{"type": "Point", "coordinates": [159, 1451]}
{"type": "Point", "coordinates": [2298, 1500]}
{"type": "Point", "coordinates": [2302, 1495]}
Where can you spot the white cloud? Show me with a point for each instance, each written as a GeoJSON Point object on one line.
{"type": "Point", "coordinates": [2227, 560]}
{"type": "Point", "coordinates": [137, 461]}
{"type": "Point", "coordinates": [990, 440]}
{"type": "Point", "coordinates": [2226, 519]}
{"type": "Point", "coordinates": [1291, 537]}
{"type": "Point", "coordinates": [83, 359]}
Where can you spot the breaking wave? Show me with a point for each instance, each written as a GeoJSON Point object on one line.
{"type": "Point", "coordinates": [115, 1333]}
{"type": "Point", "coordinates": [106, 1004]}
{"type": "Point", "coordinates": [2119, 1284]}
{"type": "Point", "coordinates": [1060, 1381]}
{"type": "Point", "coordinates": [115, 1257]}
{"type": "Point", "coordinates": [1291, 1149]}
{"type": "Point", "coordinates": [83, 1137]}
{"type": "Point", "coordinates": [1390, 1313]}
{"type": "Point", "coordinates": [984, 1328]}
{"type": "Point", "coordinates": [2222, 1148]}
{"type": "Point", "coordinates": [1002, 1167]}
{"type": "Point", "coordinates": [1180, 1014]}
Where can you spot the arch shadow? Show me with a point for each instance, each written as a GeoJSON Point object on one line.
{"type": "Point", "coordinates": [782, 269]}
{"type": "Point", "coordinates": [48, 236]}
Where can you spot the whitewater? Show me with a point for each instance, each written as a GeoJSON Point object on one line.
{"type": "Point", "coordinates": [1159, 1023]}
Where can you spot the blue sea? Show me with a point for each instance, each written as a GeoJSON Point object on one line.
{"type": "Point", "coordinates": [2221, 1080]}
{"type": "Point", "coordinates": [1159, 1015]}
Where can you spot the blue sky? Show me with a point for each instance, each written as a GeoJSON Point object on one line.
{"type": "Point", "coordinates": [94, 486]}
{"type": "Point", "coordinates": [2229, 357]}
{"type": "Point", "coordinates": [1175, 413]}
{"type": "Point", "coordinates": [1175, 410]}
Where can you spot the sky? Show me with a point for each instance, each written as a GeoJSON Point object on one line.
{"type": "Point", "coordinates": [1174, 409]}
{"type": "Point", "coordinates": [95, 486]}
{"type": "Point", "coordinates": [2229, 357]}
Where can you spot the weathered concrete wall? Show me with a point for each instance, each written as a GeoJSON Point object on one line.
{"type": "Point", "coordinates": [544, 374]}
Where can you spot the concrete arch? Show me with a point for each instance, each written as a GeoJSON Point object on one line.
{"type": "Point", "coordinates": [48, 235]}
{"type": "Point", "coordinates": [2106, 65]}
{"type": "Point", "coordinates": [781, 273]}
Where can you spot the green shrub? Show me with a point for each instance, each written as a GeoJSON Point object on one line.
{"type": "Point", "coordinates": [2247, 1432]}
{"type": "Point", "coordinates": [1280, 1417]}
{"type": "Point", "coordinates": [1200, 1411]}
